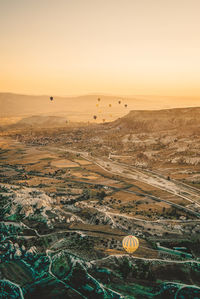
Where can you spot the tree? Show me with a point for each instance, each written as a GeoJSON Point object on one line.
{"type": "Point", "coordinates": [101, 195]}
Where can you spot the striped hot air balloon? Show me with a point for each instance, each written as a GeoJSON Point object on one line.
{"type": "Point", "coordinates": [130, 243]}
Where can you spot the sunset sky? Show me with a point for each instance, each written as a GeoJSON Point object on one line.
{"type": "Point", "coordinates": [125, 47]}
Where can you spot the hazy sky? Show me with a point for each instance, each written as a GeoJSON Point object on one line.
{"type": "Point", "coordinates": [126, 47]}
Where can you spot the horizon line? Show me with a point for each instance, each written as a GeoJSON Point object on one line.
{"type": "Point", "coordinates": [98, 94]}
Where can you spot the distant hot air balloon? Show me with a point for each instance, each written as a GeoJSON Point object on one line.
{"type": "Point", "coordinates": [95, 117]}
{"type": "Point", "coordinates": [110, 105]}
{"type": "Point", "coordinates": [119, 102]}
{"type": "Point", "coordinates": [125, 105]}
{"type": "Point", "coordinates": [51, 98]}
{"type": "Point", "coordinates": [98, 99]}
{"type": "Point", "coordinates": [130, 243]}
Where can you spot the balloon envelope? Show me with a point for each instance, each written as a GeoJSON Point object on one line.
{"type": "Point", "coordinates": [130, 243]}
{"type": "Point", "coordinates": [51, 98]}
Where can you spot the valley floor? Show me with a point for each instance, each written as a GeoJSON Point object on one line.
{"type": "Point", "coordinates": [65, 210]}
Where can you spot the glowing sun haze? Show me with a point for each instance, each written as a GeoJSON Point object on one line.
{"type": "Point", "coordinates": [127, 47]}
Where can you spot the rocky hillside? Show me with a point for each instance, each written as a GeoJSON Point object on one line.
{"type": "Point", "coordinates": [157, 120]}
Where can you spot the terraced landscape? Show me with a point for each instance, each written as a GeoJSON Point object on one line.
{"type": "Point", "coordinates": [69, 195]}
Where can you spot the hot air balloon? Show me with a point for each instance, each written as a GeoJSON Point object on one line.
{"type": "Point", "coordinates": [99, 100]}
{"type": "Point", "coordinates": [119, 102]}
{"type": "Point", "coordinates": [51, 98]}
{"type": "Point", "coordinates": [110, 105]}
{"type": "Point", "coordinates": [130, 243]}
{"type": "Point", "coordinates": [95, 117]}
{"type": "Point", "coordinates": [125, 105]}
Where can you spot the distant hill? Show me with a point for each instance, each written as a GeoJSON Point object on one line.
{"type": "Point", "coordinates": [83, 108]}
{"type": "Point", "coordinates": [42, 121]}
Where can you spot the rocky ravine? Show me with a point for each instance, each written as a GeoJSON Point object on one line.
{"type": "Point", "coordinates": [47, 252]}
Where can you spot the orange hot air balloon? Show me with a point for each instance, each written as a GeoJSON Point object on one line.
{"type": "Point", "coordinates": [130, 243]}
